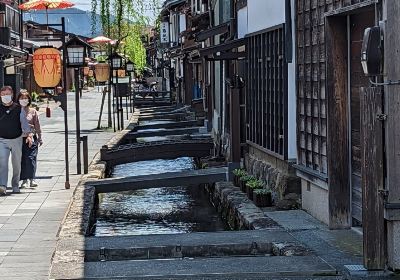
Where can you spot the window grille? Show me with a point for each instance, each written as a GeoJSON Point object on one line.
{"type": "Point", "coordinates": [267, 92]}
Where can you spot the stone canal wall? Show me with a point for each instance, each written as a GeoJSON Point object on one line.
{"type": "Point", "coordinates": [278, 175]}
{"type": "Point", "coordinates": [80, 215]}
{"type": "Point", "coordinates": [236, 209]}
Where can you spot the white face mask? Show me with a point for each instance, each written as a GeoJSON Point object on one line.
{"type": "Point", "coordinates": [6, 99]}
{"type": "Point", "coordinates": [24, 102]}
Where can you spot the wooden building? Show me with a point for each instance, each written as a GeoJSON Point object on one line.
{"type": "Point", "coordinates": [285, 96]}
{"type": "Point", "coordinates": [11, 45]}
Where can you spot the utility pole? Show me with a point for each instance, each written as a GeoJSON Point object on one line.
{"type": "Point", "coordinates": [392, 137]}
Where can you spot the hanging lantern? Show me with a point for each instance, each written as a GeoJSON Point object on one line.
{"type": "Point", "coordinates": [47, 67]}
{"type": "Point", "coordinates": [86, 71]}
{"type": "Point", "coordinates": [90, 73]}
{"type": "Point", "coordinates": [121, 73]}
{"type": "Point", "coordinates": [102, 71]}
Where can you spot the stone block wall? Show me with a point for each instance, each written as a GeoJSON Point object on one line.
{"type": "Point", "coordinates": [279, 176]}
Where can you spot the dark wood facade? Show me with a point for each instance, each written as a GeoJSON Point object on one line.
{"type": "Point", "coordinates": [328, 102]}
{"type": "Point", "coordinates": [267, 91]}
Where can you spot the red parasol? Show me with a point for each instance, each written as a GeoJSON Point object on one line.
{"type": "Point", "coordinates": [45, 5]}
{"type": "Point", "coordinates": [99, 39]}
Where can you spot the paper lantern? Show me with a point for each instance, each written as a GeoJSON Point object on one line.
{"type": "Point", "coordinates": [86, 71]}
{"type": "Point", "coordinates": [121, 73]}
{"type": "Point", "coordinates": [102, 71]}
{"type": "Point", "coordinates": [47, 67]}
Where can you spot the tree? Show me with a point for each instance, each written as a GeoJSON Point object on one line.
{"type": "Point", "coordinates": [125, 22]}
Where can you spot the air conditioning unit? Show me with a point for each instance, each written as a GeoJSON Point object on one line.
{"type": "Point", "coordinates": [5, 36]}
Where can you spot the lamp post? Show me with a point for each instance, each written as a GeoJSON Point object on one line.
{"type": "Point", "coordinates": [116, 63]}
{"type": "Point", "coordinates": [76, 53]}
{"type": "Point", "coordinates": [129, 67]}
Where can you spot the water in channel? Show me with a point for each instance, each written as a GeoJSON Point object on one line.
{"type": "Point", "coordinates": [158, 210]}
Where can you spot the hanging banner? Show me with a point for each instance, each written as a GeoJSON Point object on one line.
{"type": "Point", "coordinates": [164, 32]}
{"type": "Point", "coordinates": [47, 67]}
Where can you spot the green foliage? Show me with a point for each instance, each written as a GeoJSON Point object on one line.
{"type": "Point", "coordinates": [35, 96]}
{"type": "Point", "coordinates": [262, 191]}
{"type": "Point", "coordinates": [247, 178]}
{"type": "Point", "coordinates": [255, 184]}
{"type": "Point", "coordinates": [239, 172]}
{"type": "Point", "coordinates": [125, 22]}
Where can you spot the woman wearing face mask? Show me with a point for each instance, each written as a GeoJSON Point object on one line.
{"type": "Point", "coordinates": [13, 124]}
{"type": "Point", "coordinates": [29, 153]}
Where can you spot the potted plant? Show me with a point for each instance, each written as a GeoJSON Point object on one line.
{"type": "Point", "coordinates": [253, 185]}
{"type": "Point", "coordinates": [262, 197]}
{"type": "Point", "coordinates": [237, 174]}
{"type": "Point", "coordinates": [243, 180]}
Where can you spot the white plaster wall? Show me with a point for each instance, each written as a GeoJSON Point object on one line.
{"type": "Point", "coordinates": [182, 23]}
{"type": "Point", "coordinates": [242, 22]}
{"type": "Point", "coordinates": [265, 13]}
{"type": "Point", "coordinates": [315, 201]}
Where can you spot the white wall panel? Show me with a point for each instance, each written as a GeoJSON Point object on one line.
{"type": "Point", "coordinates": [242, 22]}
{"type": "Point", "coordinates": [265, 13]}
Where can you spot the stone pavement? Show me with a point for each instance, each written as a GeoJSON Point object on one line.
{"type": "Point", "coordinates": [29, 221]}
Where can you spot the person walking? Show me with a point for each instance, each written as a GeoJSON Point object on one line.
{"type": "Point", "coordinates": [13, 124]}
{"type": "Point", "coordinates": [29, 153]}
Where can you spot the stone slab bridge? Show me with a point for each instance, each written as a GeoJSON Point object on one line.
{"type": "Point", "coordinates": [166, 149]}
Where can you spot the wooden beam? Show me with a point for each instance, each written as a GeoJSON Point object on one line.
{"type": "Point", "coordinates": [372, 179]}
{"type": "Point", "coordinates": [162, 132]}
{"type": "Point", "coordinates": [220, 29]}
{"type": "Point", "coordinates": [171, 179]}
{"type": "Point", "coordinates": [168, 149]}
{"type": "Point", "coordinates": [234, 107]}
{"type": "Point", "coordinates": [392, 131]}
{"type": "Point", "coordinates": [338, 138]}
{"type": "Point", "coordinates": [223, 47]}
{"type": "Point", "coordinates": [169, 125]}
{"type": "Point", "coordinates": [174, 116]}
{"type": "Point", "coordinates": [228, 56]}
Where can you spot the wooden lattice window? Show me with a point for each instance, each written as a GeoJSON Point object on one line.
{"type": "Point", "coordinates": [267, 92]}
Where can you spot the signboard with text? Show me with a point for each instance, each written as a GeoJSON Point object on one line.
{"type": "Point", "coordinates": [164, 32]}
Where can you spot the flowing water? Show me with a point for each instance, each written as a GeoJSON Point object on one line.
{"type": "Point", "coordinates": [159, 210]}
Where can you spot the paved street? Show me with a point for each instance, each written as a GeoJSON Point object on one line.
{"type": "Point", "coordinates": [29, 221]}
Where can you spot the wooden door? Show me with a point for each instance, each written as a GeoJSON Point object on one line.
{"type": "Point", "coordinates": [358, 23]}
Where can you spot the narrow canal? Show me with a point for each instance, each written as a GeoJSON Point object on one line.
{"type": "Point", "coordinates": [156, 211]}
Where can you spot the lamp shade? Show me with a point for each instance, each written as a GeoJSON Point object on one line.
{"type": "Point", "coordinates": [77, 51]}
{"type": "Point", "coordinates": [116, 60]}
{"type": "Point", "coordinates": [76, 56]}
{"type": "Point", "coordinates": [47, 67]}
{"type": "Point", "coordinates": [129, 66]}
{"type": "Point", "coordinates": [102, 71]}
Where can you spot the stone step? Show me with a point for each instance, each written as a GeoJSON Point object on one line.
{"type": "Point", "coordinates": [305, 267]}
{"type": "Point", "coordinates": [214, 244]}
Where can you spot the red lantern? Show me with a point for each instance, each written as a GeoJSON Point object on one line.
{"type": "Point", "coordinates": [47, 67]}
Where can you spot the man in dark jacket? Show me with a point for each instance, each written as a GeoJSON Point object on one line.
{"type": "Point", "coordinates": [13, 125]}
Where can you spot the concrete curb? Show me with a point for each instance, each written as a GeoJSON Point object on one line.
{"type": "Point", "coordinates": [80, 212]}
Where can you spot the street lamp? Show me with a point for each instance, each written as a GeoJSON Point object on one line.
{"type": "Point", "coordinates": [77, 51]}
{"type": "Point", "coordinates": [116, 61]}
{"type": "Point", "coordinates": [129, 67]}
